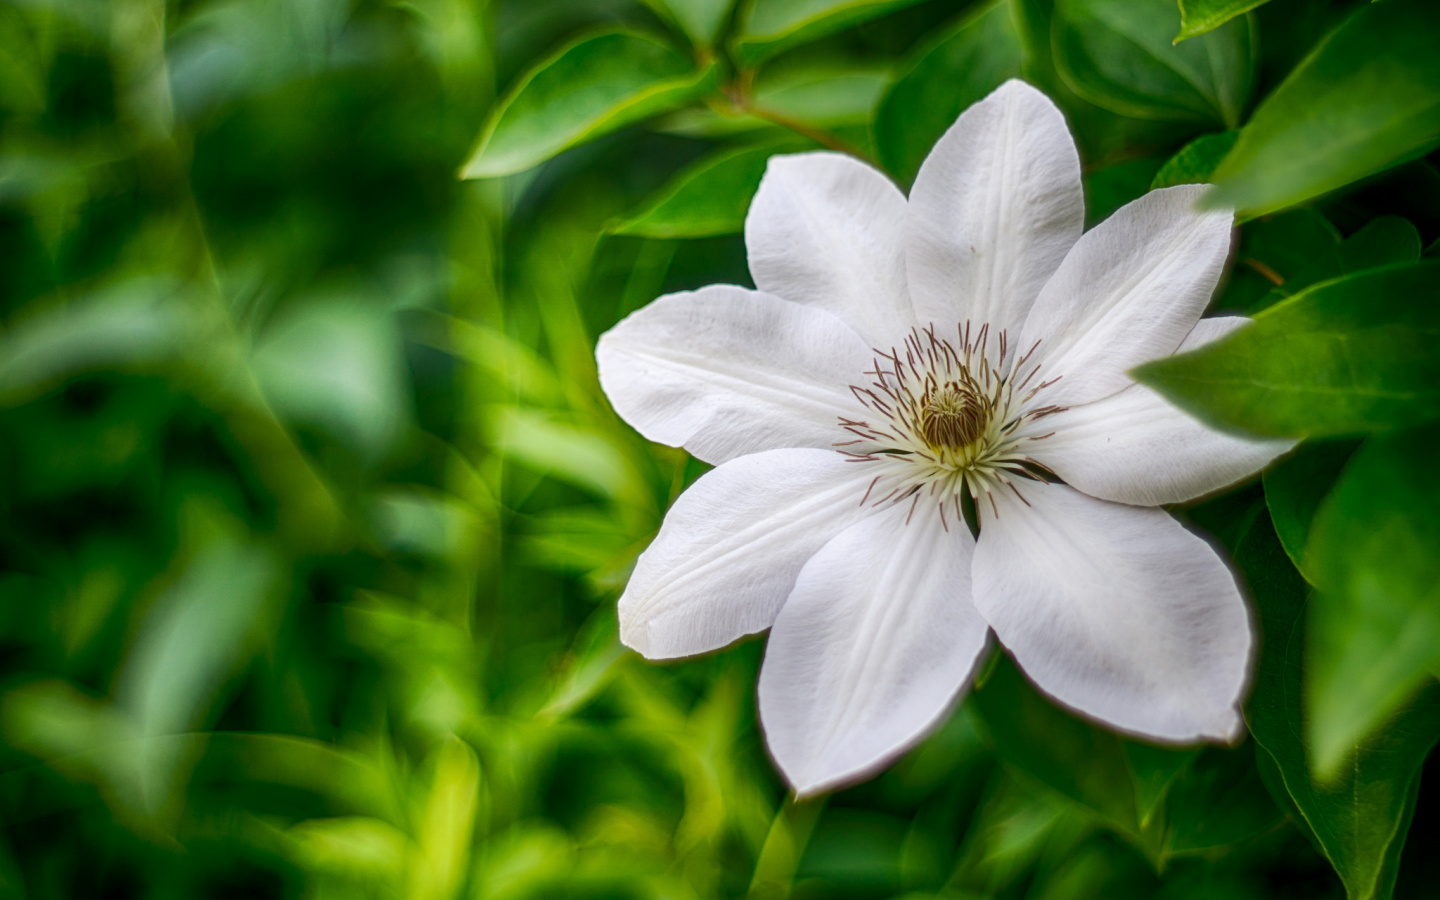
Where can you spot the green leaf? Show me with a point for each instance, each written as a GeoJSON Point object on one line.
{"type": "Point", "coordinates": [1282, 255]}
{"type": "Point", "coordinates": [1359, 820]}
{"type": "Point", "coordinates": [819, 95]}
{"type": "Point", "coordinates": [770, 26]}
{"type": "Point", "coordinates": [339, 365]}
{"type": "Point", "coordinates": [1295, 487]}
{"type": "Point", "coordinates": [1352, 355]}
{"type": "Point", "coordinates": [708, 198]}
{"type": "Point", "coordinates": [946, 76]}
{"type": "Point", "coordinates": [1119, 55]}
{"type": "Point", "coordinates": [701, 20]}
{"type": "Point", "coordinates": [1219, 800]}
{"type": "Point", "coordinates": [1199, 16]}
{"type": "Point", "coordinates": [1196, 161]}
{"type": "Point", "coordinates": [1152, 770]}
{"type": "Point", "coordinates": [587, 88]}
{"type": "Point", "coordinates": [1375, 635]}
{"type": "Point", "coordinates": [1366, 98]}
{"type": "Point", "coordinates": [1087, 764]}
{"type": "Point", "coordinates": [1384, 241]}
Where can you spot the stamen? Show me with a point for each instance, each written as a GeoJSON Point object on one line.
{"type": "Point", "coordinates": [947, 418]}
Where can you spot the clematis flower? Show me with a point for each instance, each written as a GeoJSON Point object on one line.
{"type": "Point", "coordinates": [898, 356]}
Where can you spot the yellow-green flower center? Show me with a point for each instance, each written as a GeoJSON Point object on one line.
{"type": "Point", "coordinates": [953, 415]}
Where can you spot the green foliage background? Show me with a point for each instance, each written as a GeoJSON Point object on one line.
{"type": "Point", "coordinates": [313, 517]}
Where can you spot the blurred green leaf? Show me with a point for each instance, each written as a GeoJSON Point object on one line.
{"type": "Point", "coordinates": [1360, 818]}
{"type": "Point", "coordinates": [707, 198]}
{"type": "Point", "coordinates": [701, 20]}
{"type": "Point", "coordinates": [138, 323]}
{"type": "Point", "coordinates": [1377, 81]}
{"type": "Point", "coordinates": [940, 80]}
{"type": "Point", "coordinates": [1196, 161]}
{"type": "Point", "coordinates": [590, 86]}
{"type": "Point", "coordinates": [1119, 55]}
{"type": "Point", "coordinates": [1200, 16]}
{"type": "Point", "coordinates": [1375, 631]}
{"type": "Point", "coordinates": [574, 454]}
{"type": "Point", "coordinates": [769, 26]}
{"type": "Point", "coordinates": [338, 364]}
{"type": "Point", "coordinates": [1296, 485]}
{"type": "Point", "coordinates": [1351, 355]}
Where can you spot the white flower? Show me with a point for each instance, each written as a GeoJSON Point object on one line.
{"type": "Point", "coordinates": [897, 355]}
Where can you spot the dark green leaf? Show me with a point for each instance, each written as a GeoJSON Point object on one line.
{"type": "Point", "coordinates": [589, 87]}
{"type": "Point", "coordinates": [1119, 54]}
{"type": "Point", "coordinates": [1377, 81]}
{"type": "Point", "coordinates": [1359, 820]}
{"type": "Point", "coordinates": [1352, 355]}
{"type": "Point", "coordinates": [1081, 761]}
{"type": "Point", "coordinates": [1295, 487]}
{"type": "Point", "coordinates": [1280, 256]}
{"type": "Point", "coordinates": [1385, 241]}
{"type": "Point", "coordinates": [708, 198]}
{"type": "Point", "coordinates": [1153, 769]}
{"type": "Point", "coordinates": [946, 76]}
{"type": "Point", "coordinates": [770, 26]}
{"type": "Point", "coordinates": [1110, 188]}
{"type": "Point", "coordinates": [1196, 161]}
{"type": "Point", "coordinates": [1200, 16]}
{"type": "Point", "coordinates": [1375, 631]}
{"type": "Point", "coordinates": [1219, 800]}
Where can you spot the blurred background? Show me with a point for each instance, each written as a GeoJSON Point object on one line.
{"type": "Point", "coordinates": [313, 516]}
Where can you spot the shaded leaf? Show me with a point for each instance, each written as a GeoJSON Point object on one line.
{"type": "Point", "coordinates": [942, 80]}
{"type": "Point", "coordinates": [1120, 55]}
{"type": "Point", "coordinates": [1219, 800]}
{"type": "Point", "coordinates": [1377, 80]}
{"type": "Point", "coordinates": [1359, 820]}
{"type": "Point", "coordinates": [710, 197]}
{"type": "Point", "coordinates": [1375, 631]}
{"type": "Point", "coordinates": [1384, 241]}
{"type": "Point", "coordinates": [591, 86]}
{"type": "Point", "coordinates": [1085, 763]}
{"type": "Point", "coordinates": [770, 26]}
{"type": "Point", "coordinates": [1351, 355]}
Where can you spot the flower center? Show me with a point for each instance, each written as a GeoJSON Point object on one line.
{"type": "Point", "coordinates": [953, 416]}
{"type": "Point", "coordinates": [947, 418]}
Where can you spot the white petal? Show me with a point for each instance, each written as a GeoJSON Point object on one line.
{"type": "Point", "coordinates": [1129, 291]}
{"type": "Point", "coordinates": [995, 207]}
{"type": "Point", "coordinates": [729, 550]}
{"type": "Point", "coordinates": [1137, 447]}
{"type": "Point", "coordinates": [828, 230]}
{"type": "Point", "coordinates": [871, 649]}
{"type": "Point", "coordinates": [724, 371]}
{"type": "Point", "coordinates": [1116, 611]}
